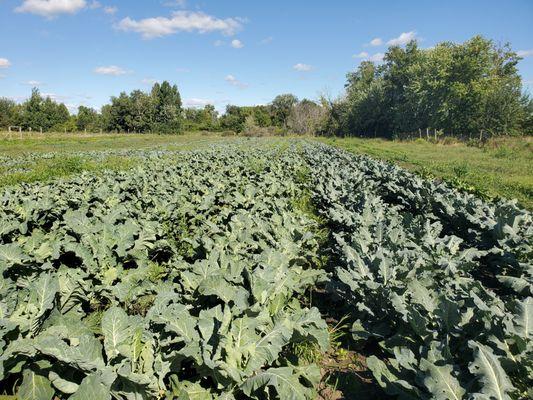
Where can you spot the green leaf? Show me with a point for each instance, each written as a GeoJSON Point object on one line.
{"type": "Point", "coordinates": [116, 331]}
{"type": "Point", "coordinates": [35, 387]}
{"type": "Point", "coordinates": [524, 318]}
{"type": "Point", "coordinates": [440, 381]}
{"type": "Point", "coordinates": [283, 380]}
{"type": "Point", "coordinates": [495, 384]}
{"type": "Point", "coordinates": [42, 296]}
{"type": "Point", "coordinates": [93, 387]}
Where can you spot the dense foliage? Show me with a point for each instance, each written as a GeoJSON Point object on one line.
{"type": "Point", "coordinates": [178, 278]}
{"type": "Point", "coordinates": [439, 280]}
{"type": "Point", "coordinates": [158, 111]}
{"type": "Point", "coordinates": [185, 278]}
{"type": "Point", "coordinates": [467, 89]}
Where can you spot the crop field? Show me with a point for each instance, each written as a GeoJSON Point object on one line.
{"type": "Point", "coordinates": [258, 268]}
{"type": "Point", "coordinates": [499, 168]}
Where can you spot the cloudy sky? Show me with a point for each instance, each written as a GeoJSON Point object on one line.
{"type": "Point", "coordinates": [221, 51]}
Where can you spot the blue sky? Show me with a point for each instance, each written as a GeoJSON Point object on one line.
{"type": "Point", "coordinates": [238, 52]}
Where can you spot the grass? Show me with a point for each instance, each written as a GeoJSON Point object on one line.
{"type": "Point", "coordinates": [66, 148]}
{"type": "Point", "coordinates": [13, 145]}
{"type": "Point", "coordinates": [57, 167]}
{"type": "Point", "coordinates": [500, 168]}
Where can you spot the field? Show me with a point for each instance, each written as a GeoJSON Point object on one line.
{"type": "Point", "coordinates": [201, 267]}
{"type": "Point", "coordinates": [500, 168]}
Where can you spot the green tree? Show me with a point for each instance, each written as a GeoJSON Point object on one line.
{"type": "Point", "coordinates": [87, 118]}
{"type": "Point", "coordinates": [281, 108]}
{"type": "Point", "coordinates": [8, 112]}
{"type": "Point", "coordinates": [166, 108]}
{"type": "Point", "coordinates": [233, 119]}
{"type": "Point", "coordinates": [459, 89]}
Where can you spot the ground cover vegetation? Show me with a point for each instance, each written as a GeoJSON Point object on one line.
{"type": "Point", "coordinates": [216, 274]}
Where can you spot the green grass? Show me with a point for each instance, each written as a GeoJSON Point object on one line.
{"type": "Point", "coordinates": [12, 145]}
{"type": "Point", "coordinates": [500, 168]}
{"type": "Point", "coordinates": [58, 167]}
{"type": "Point", "coordinates": [66, 163]}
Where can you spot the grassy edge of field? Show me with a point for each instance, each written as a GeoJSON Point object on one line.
{"type": "Point", "coordinates": [498, 169]}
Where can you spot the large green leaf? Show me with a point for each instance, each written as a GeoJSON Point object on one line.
{"type": "Point", "coordinates": [440, 381]}
{"type": "Point", "coordinates": [35, 387]}
{"type": "Point", "coordinates": [283, 380]}
{"type": "Point", "coordinates": [494, 382]}
{"type": "Point", "coordinates": [116, 330]}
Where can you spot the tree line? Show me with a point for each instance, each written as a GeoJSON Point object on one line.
{"type": "Point", "coordinates": [160, 111]}
{"type": "Point", "coordinates": [453, 89]}
{"type": "Point", "coordinates": [467, 89]}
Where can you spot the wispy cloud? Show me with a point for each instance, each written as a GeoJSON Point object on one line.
{"type": "Point", "coordinates": [33, 83]}
{"type": "Point", "coordinates": [235, 82]}
{"type": "Point", "coordinates": [51, 8]}
{"type": "Point", "coordinates": [110, 10]}
{"type": "Point", "coordinates": [376, 42]}
{"type": "Point", "coordinates": [110, 70]}
{"type": "Point", "coordinates": [525, 53]}
{"type": "Point", "coordinates": [266, 40]}
{"type": "Point", "coordinates": [180, 21]}
{"type": "Point", "coordinates": [237, 44]}
{"type": "Point", "coordinates": [175, 3]}
{"type": "Point", "coordinates": [403, 39]}
{"type": "Point", "coordinates": [4, 63]}
{"type": "Point", "coordinates": [377, 57]}
{"type": "Point", "coordinates": [302, 67]}
{"type": "Point", "coordinates": [148, 81]}
{"type": "Point", "coordinates": [197, 102]}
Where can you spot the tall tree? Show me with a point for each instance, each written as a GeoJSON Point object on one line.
{"type": "Point", "coordinates": [87, 118]}
{"type": "Point", "coordinates": [281, 108]}
{"type": "Point", "coordinates": [167, 107]}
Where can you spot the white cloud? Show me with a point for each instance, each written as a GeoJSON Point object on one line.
{"type": "Point", "coordinates": [267, 40]}
{"type": "Point", "coordinates": [110, 70]}
{"type": "Point", "coordinates": [2, 76]}
{"type": "Point", "coordinates": [377, 57]}
{"type": "Point", "coordinates": [235, 82]}
{"type": "Point", "coordinates": [51, 8]}
{"type": "Point", "coordinates": [404, 38]}
{"type": "Point", "coordinates": [33, 83]}
{"type": "Point", "coordinates": [302, 67]}
{"type": "Point", "coordinates": [525, 53]}
{"type": "Point", "coordinates": [237, 44]}
{"type": "Point", "coordinates": [148, 81]}
{"type": "Point", "coordinates": [218, 43]}
{"type": "Point", "coordinates": [180, 21]}
{"type": "Point", "coordinates": [376, 42]}
{"type": "Point", "coordinates": [94, 5]}
{"type": "Point", "coordinates": [57, 97]}
{"type": "Point", "coordinates": [196, 102]}
{"type": "Point", "coordinates": [4, 63]}
{"type": "Point", "coordinates": [110, 10]}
